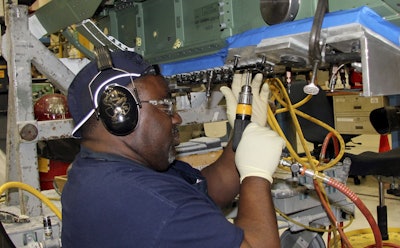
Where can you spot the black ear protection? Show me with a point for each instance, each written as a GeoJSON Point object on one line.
{"type": "Point", "coordinates": [116, 106]}
{"type": "Point", "coordinates": [118, 109]}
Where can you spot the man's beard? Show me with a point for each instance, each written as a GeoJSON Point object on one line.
{"type": "Point", "coordinates": [172, 150]}
{"type": "Point", "coordinates": [171, 154]}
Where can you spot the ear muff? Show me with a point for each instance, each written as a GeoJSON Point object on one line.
{"type": "Point", "coordinates": [115, 105]}
{"type": "Point", "coordinates": [118, 109]}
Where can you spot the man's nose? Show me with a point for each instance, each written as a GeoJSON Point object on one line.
{"type": "Point", "coordinates": [176, 119]}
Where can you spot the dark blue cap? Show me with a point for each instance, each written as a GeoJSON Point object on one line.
{"type": "Point", "coordinates": [90, 82]}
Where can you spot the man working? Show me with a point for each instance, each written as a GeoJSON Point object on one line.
{"type": "Point", "coordinates": [125, 188]}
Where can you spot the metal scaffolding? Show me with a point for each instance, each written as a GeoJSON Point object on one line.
{"type": "Point", "coordinates": [21, 49]}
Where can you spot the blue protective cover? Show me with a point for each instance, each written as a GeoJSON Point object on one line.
{"type": "Point", "coordinates": [362, 15]}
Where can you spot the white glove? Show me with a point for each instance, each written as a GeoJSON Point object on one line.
{"type": "Point", "coordinates": [258, 152]}
{"type": "Point", "coordinates": [260, 98]}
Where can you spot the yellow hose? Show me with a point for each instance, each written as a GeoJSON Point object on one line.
{"type": "Point", "coordinates": [34, 192]}
{"type": "Point", "coordinates": [280, 94]}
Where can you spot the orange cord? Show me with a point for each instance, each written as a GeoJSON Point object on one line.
{"type": "Point", "coordinates": [361, 206]}
{"type": "Point", "coordinates": [331, 216]}
{"type": "Point", "coordinates": [325, 144]}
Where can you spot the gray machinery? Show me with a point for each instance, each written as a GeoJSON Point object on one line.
{"type": "Point", "coordinates": [194, 43]}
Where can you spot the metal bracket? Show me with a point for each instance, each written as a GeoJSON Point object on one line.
{"type": "Point", "coordinates": [88, 29]}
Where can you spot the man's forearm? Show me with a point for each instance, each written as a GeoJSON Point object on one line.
{"type": "Point", "coordinates": [223, 178]}
{"type": "Point", "coordinates": [256, 214]}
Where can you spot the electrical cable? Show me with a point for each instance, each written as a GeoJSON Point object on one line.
{"type": "Point", "coordinates": [34, 192]}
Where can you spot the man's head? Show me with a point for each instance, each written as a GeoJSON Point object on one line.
{"type": "Point", "coordinates": [134, 106]}
{"type": "Point", "coordinates": [100, 87]}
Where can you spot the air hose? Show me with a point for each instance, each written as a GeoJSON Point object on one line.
{"type": "Point", "coordinates": [354, 198]}
{"type": "Point", "coordinates": [280, 95]}
{"type": "Point", "coordinates": [34, 192]}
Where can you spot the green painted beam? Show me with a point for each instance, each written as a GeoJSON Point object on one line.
{"type": "Point", "coordinates": [59, 14]}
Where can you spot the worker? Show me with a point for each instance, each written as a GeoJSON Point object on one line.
{"type": "Point", "coordinates": [125, 188]}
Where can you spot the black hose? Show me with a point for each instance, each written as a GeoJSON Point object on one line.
{"type": "Point", "coordinates": [342, 58]}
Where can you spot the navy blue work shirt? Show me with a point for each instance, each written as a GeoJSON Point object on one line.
{"type": "Point", "coordinates": [111, 201]}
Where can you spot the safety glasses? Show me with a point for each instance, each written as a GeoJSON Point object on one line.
{"type": "Point", "coordinates": [167, 105]}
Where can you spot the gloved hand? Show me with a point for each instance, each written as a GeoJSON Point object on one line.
{"type": "Point", "coordinates": [258, 152]}
{"type": "Point", "coordinates": [260, 98]}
